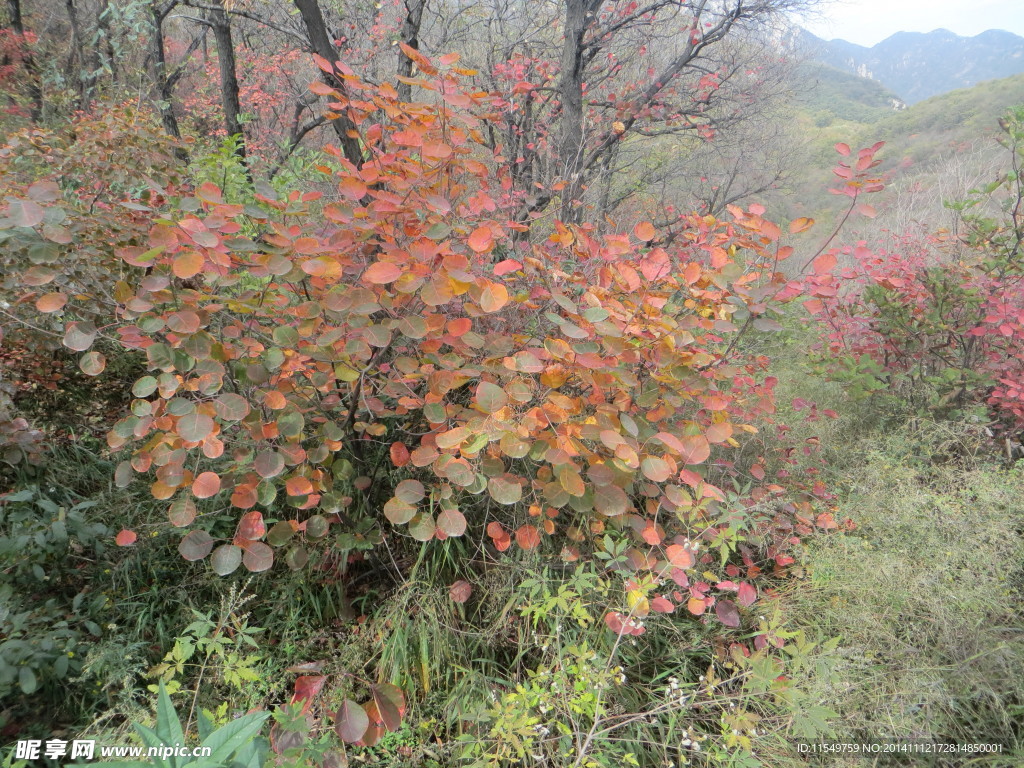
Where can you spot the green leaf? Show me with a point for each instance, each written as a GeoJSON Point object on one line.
{"type": "Point", "coordinates": [490, 397]}
{"type": "Point", "coordinates": [225, 741]}
{"type": "Point", "coordinates": [27, 680]}
{"type": "Point", "coordinates": [226, 559]}
{"type": "Point", "coordinates": [153, 740]}
{"type": "Point", "coordinates": [168, 726]}
{"type": "Point", "coordinates": [196, 545]}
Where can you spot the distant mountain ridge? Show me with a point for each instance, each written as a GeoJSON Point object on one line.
{"type": "Point", "coordinates": [918, 65]}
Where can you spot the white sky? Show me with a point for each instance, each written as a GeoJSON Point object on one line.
{"type": "Point", "coordinates": [867, 22]}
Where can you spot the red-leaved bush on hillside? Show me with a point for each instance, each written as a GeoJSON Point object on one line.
{"type": "Point", "coordinates": [938, 321]}
{"type": "Point", "coordinates": [394, 361]}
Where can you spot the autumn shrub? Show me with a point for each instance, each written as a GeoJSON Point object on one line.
{"type": "Point", "coordinates": [75, 196]}
{"type": "Point", "coordinates": [934, 323]}
{"type": "Point", "coordinates": [389, 369]}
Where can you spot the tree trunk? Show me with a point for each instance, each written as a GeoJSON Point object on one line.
{"type": "Point", "coordinates": [411, 37]}
{"type": "Point", "coordinates": [35, 90]}
{"type": "Point", "coordinates": [105, 35]}
{"type": "Point", "coordinates": [579, 15]}
{"type": "Point", "coordinates": [165, 91]}
{"type": "Point", "coordinates": [82, 66]}
{"type": "Point", "coordinates": [321, 44]}
{"type": "Point", "coordinates": [221, 25]}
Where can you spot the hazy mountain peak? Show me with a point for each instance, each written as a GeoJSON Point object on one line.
{"type": "Point", "coordinates": [917, 65]}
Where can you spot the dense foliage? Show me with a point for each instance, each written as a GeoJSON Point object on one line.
{"type": "Point", "coordinates": [447, 436]}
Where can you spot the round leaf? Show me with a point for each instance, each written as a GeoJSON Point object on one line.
{"type": "Point", "coordinates": [195, 546]}
{"type": "Point", "coordinates": [490, 397]}
{"type": "Point", "coordinates": [382, 272]}
{"type": "Point", "coordinates": [206, 485]}
{"type": "Point", "coordinates": [79, 336]}
{"type": "Point", "coordinates": [351, 721]}
{"type": "Point", "coordinates": [92, 363]}
{"type": "Point", "coordinates": [460, 591]}
{"type": "Point", "coordinates": [194, 427]}
{"type": "Point", "coordinates": [258, 557]}
{"type": "Point", "coordinates": [182, 512]}
{"type": "Point", "coordinates": [493, 297]}
{"type": "Point", "coordinates": [125, 538]}
{"type": "Point", "coordinates": [399, 512]}
{"type": "Point", "coordinates": [51, 302]}
{"type": "Point", "coordinates": [226, 559]}
{"type": "Point", "coordinates": [410, 491]}
{"type": "Point", "coordinates": [452, 522]}
{"type": "Point", "coordinates": [268, 464]}
{"type": "Point", "coordinates": [505, 489]}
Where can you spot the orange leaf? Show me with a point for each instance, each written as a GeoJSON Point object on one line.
{"type": "Point", "coordinates": [493, 297]}
{"type": "Point", "coordinates": [188, 264]}
{"type": "Point", "coordinates": [299, 486]}
{"type": "Point", "coordinates": [824, 263]}
{"type": "Point", "coordinates": [459, 326]}
{"type": "Point", "coordinates": [679, 556]}
{"type": "Point", "coordinates": [352, 188]}
{"type": "Point", "coordinates": [527, 537]}
{"type": "Point", "coordinates": [274, 400]}
{"type": "Point", "coordinates": [696, 606]}
{"type": "Point", "coordinates": [644, 231]}
{"type": "Point", "coordinates": [399, 454]}
{"type": "Point", "coordinates": [206, 485]}
{"type": "Point", "coordinates": [51, 302]}
{"type": "Point", "coordinates": [481, 240]}
{"type": "Point", "coordinates": [796, 226]}
{"type": "Point", "coordinates": [382, 272]}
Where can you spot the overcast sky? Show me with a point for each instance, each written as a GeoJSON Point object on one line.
{"type": "Point", "coordinates": [867, 22]}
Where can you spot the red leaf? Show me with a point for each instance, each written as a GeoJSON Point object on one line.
{"type": "Point", "coordinates": [125, 538]}
{"type": "Point", "coordinates": [662, 605]}
{"type": "Point", "coordinates": [399, 454]}
{"type": "Point", "coordinates": [696, 449]}
{"type": "Point", "coordinates": [251, 526]}
{"type": "Point", "coordinates": [506, 266]}
{"type": "Point", "coordinates": [460, 591]}
{"type": "Point", "coordinates": [390, 703]}
{"type": "Point", "coordinates": [824, 263]}
{"type": "Point", "coordinates": [843, 149]}
{"type": "Point", "coordinates": [306, 689]}
{"type": "Point", "coordinates": [747, 594]}
{"type": "Point", "coordinates": [727, 613]}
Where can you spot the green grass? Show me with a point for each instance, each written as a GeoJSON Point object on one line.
{"type": "Point", "coordinates": [925, 596]}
